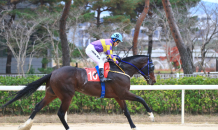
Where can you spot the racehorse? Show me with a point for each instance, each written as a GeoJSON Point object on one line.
{"type": "Point", "coordinates": [63, 82]}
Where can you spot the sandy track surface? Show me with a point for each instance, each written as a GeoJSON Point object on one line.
{"type": "Point", "coordinates": [113, 122]}
{"type": "Point", "coordinates": [113, 119]}
{"type": "Point", "coordinates": [98, 126]}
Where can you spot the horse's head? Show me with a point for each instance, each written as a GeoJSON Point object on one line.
{"type": "Point", "coordinates": [148, 72]}
{"type": "Point", "coordinates": [143, 65]}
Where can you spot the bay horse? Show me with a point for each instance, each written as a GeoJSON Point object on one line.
{"type": "Point", "coordinates": [63, 82]}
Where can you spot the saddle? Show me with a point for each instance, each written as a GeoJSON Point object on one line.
{"type": "Point", "coordinates": [92, 73]}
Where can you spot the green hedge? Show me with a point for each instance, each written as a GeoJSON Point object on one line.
{"type": "Point", "coordinates": [161, 101]}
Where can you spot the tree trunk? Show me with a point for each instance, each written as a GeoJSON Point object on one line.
{"type": "Point", "coordinates": [203, 53]}
{"type": "Point", "coordinates": [150, 43]}
{"type": "Point", "coordinates": [216, 64]}
{"type": "Point", "coordinates": [150, 36]}
{"type": "Point", "coordinates": [44, 64]}
{"type": "Point", "coordinates": [98, 23]}
{"type": "Point", "coordinates": [9, 52]}
{"type": "Point", "coordinates": [138, 25]}
{"type": "Point", "coordinates": [63, 35]}
{"type": "Point", "coordinates": [185, 57]}
{"type": "Point", "coordinates": [98, 16]}
{"type": "Point", "coordinates": [190, 51]}
{"type": "Point", "coordinates": [8, 63]}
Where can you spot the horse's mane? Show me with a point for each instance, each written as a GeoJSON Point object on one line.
{"type": "Point", "coordinates": [127, 59]}
{"type": "Point", "coordinates": [133, 57]}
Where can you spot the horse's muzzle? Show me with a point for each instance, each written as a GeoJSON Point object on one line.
{"type": "Point", "coordinates": [151, 82]}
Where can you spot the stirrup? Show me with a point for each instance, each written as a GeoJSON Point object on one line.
{"type": "Point", "coordinates": [105, 79]}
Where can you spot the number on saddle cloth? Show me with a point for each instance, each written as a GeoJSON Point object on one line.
{"type": "Point", "coordinates": [93, 77]}
{"type": "Point", "coordinates": [92, 73]}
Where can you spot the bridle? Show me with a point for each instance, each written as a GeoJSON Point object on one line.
{"type": "Point", "coordinates": [149, 67]}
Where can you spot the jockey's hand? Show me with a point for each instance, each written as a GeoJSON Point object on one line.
{"type": "Point", "coordinates": [118, 59]}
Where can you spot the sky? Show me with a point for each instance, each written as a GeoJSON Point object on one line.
{"type": "Point", "coordinates": [210, 4]}
{"type": "Point", "coordinates": [212, 1]}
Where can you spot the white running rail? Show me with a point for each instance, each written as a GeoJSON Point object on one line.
{"type": "Point", "coordinates": [143, 87]}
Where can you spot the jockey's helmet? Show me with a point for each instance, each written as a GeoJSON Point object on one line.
{"type": "Point", "coordinates": [116, 36]}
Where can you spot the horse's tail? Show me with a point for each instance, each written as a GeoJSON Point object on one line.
{"type": "Point", "coordinates": [29, 89]}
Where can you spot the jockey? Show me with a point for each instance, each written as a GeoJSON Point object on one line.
{"type": "Point", "coordinates": [103, 45]}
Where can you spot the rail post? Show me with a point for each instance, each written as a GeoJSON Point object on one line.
{"type": "Point", "coordinates": [183, 107]}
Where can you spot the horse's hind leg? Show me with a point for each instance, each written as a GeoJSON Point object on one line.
{"type": "Point", "coordinates": [61, 112]}
{"type": "Point", "coordinates": [47, 99]}
{"type": "Point", "coordinates": [132, 97]}
{"type": "Point", "coordinates": [123, 106]}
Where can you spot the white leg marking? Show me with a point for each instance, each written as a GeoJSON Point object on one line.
{"type": "Point", "coordinates": [135, 128]}
{"type": "Point", "coordinates": [151, 116]}
{"type": "Point", "coordinates": [27, 125]}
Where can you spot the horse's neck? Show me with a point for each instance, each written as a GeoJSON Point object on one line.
{"type": "Point", "coordinates": [130, 70]}
{"type": "Point", "coordinates": [127, 68]}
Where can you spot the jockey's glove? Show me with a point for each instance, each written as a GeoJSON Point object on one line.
{"type": "Point", "coordinates": [118, 59]}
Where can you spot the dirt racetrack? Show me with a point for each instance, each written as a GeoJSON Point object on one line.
{"type": "Point", "coordinates": [98, 126]}
{"type": "Point", "coordinates": [113, 122]}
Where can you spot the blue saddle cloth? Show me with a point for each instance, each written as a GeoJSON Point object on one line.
{"type": "Point", "coordinates": [102, 83]}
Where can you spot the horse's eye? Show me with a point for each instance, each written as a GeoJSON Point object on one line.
{"type": "Point", "coordinates": [151, 69]}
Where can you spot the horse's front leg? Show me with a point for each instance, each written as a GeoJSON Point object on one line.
{"type": "Point", "coordinates": [123, 106]}
{"type": "Point", "coordinates": [132, 97]}
{"type": "Point", "coordinates": [150, 113]}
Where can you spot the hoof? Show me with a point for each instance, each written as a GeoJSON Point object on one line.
{"type": "Point", "coordinates": [151, 116]}
{"type": "Point", "coordinates": [27, 125]}
{"type": "Point", "coordinates": [135, 129]}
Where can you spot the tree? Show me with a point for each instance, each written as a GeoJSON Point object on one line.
{"type": "Point", "coordinates": [115, 7]}
{"type": "Point", "coordinates": [5, 6]}
{"type": "Point", "coordinates": [185, 57]}
{"type": "Point", "coordinates": [62, 27]}
{"type": "Point", "coordinates": [44, 2]}
{"type": "Point", "coordinates": [185, 24]}
{"type": "Point", "coordinates": [207, 27]}
{"type": "Point", "coordinates": [154, 5]}
{"type": "Point", "coordinates": [77, 16]}
{"type": "Point", "coordinates": [63, 36]}
{"type": "Point", "coordinates": [18, 34]}
{"type": "Point", "coordinates": [174, 57]}
{"type": "Point", "coordinates": [51, 35]}
{"type": "Point", "coordinates": [50, 29]}
{"type": "Point", "coordinates": [138, 25]}
{"type": "Point", "coordinates": [121, 11]}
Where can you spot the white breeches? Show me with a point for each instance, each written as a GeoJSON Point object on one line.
{"type": "Point", "coordinates": [94, 55]}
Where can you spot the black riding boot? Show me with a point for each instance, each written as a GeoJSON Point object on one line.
{"type": "Point", "coordinates": [102, 78]}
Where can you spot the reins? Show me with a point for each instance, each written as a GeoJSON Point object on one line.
{"type": "Point", "coordinates": [119, 73]}
{"type": "Point", "coordinates": [120, 68]}
{"type": "Point", "coordinates": [139, 70]}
